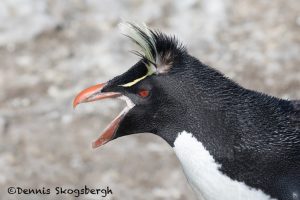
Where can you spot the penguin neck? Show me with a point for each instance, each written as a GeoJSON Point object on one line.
{"type": "Point", "coordinates": [206, 96]}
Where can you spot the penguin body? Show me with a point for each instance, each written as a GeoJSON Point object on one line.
{"type": "Point", "coordinates": [205, 176]}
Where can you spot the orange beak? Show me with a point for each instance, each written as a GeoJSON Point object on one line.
{"type": "Point", "coordinates": [94, 93]}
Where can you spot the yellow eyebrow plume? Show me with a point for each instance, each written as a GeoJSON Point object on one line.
{"type": "Point", "coordinates": [151, 70]}
{"type": "Point", "coordinates": [134, 82]}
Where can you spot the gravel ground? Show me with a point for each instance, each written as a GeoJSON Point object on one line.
{"type": "Point", "coordinates": [51, 49]}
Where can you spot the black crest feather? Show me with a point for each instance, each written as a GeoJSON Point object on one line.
{"type": "Point", "coordinates": [157, 48]}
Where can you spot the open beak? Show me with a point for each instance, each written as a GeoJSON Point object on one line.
{"type": "Point", "coordinates": [94, 93]}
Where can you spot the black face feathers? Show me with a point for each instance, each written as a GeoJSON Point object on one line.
{"type": "Point", "coordinates": [158, 50]}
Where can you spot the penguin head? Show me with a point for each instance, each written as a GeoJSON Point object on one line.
{"type": "Point", "coordinates": [153, 88]}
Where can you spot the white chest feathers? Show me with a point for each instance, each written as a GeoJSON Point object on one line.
{"type": "Point", "coordinates": [203, 173]}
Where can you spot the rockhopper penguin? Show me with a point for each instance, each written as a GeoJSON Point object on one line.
{"type": "Point", "coordinates": [233, 143]}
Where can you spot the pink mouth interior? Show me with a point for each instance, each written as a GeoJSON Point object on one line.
{"type": "Point", "coordinates": [111, 129]}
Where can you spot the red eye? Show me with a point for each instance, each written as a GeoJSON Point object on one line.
{"type": "Point", "coordinates": [144, 93]}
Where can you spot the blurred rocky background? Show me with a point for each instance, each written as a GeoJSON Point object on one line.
{"type": "Point", "coordinates": [52, 49]}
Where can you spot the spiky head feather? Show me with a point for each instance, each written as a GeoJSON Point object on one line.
{"type": "Point", "coordinates": [157, 49]}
